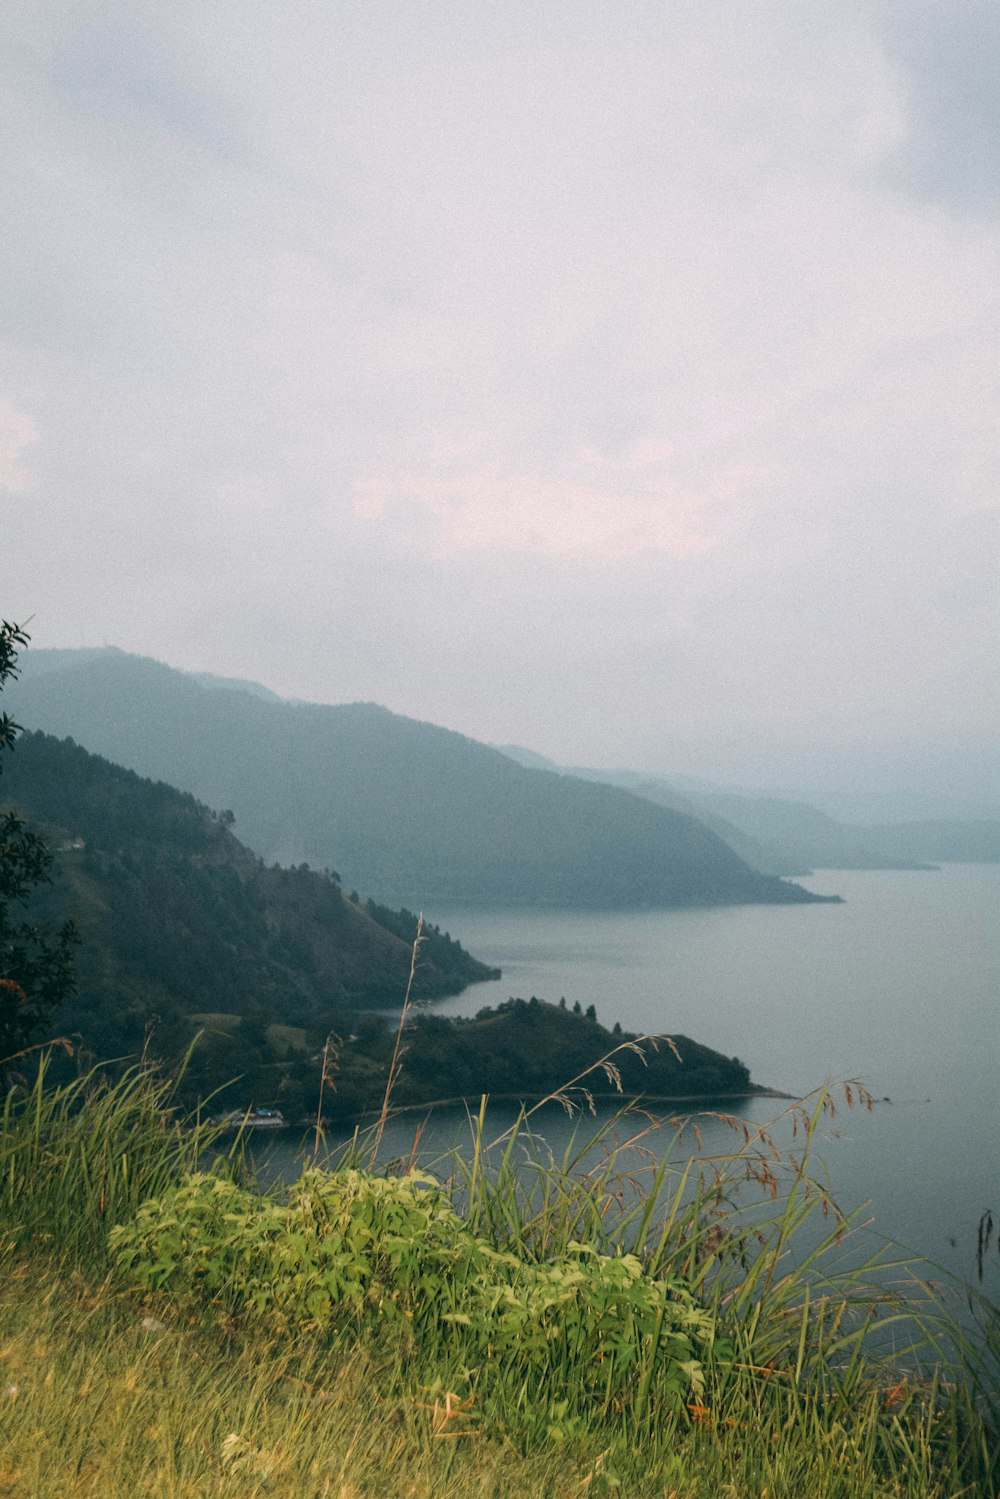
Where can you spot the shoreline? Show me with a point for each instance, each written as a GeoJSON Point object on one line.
{"type": "Point", "coordinates": [704, 1102]}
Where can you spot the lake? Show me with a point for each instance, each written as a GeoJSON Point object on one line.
{"type": "Point", "coordinates": [899, 987]}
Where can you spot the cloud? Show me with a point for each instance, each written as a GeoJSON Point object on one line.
{"type": "Point", "coordinates": [17, 433]}
{"type": "Point", "coordinates": [498, 362]}
{"type": "Point", "coordinates": [946, 57]}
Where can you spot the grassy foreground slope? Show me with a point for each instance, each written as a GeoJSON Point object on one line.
{"type": "Point", "coordinates": [408, 812]}
{"type": "Point", "coordinates": [513, 1328]}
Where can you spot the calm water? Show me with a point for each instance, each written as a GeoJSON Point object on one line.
{"type": "Point", "coordinates": [899, 986]}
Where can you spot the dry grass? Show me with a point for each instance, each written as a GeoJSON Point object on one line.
{"type": "Point", "coordinates": [103, 1395]}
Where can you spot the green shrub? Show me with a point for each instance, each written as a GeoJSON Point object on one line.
{"type": "Point", "coordinates": [577, 1299]}
{"type": "Point", "coordinates": [342, 1244]}
{"type": "Point", "coordinates": [350, 1252]}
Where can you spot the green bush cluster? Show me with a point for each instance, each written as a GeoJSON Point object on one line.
{"type": "Point", "coordinates": [348, 1250]}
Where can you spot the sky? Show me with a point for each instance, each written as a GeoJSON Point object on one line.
{"type": "Point", "coordinates": [616, 380]}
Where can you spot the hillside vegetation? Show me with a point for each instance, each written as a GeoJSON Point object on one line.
{"type": "Point", "coordinates": [525, 1049]}
{"type": "Point", "coordinates": [407, 812]}
{"type": "Point", "coordinates": [788, 837]}
{"type": "Point", "coordinates": [179, 920]}
{"type": "Point", "coordinates": [493, 1322]}
{"type": "Point", "coordinates": [183, 927]}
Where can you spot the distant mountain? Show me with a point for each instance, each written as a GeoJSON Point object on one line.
{"type": "Point", "coordinates": [189, 941]}
{"type": "Point", "coordinates": [234, 684]}
{"type": "Point", "coordinates": [179, 919]}
{"type": "Point", "coordinates": [405, 810]}
{"type": "Point", "coordinates": [868, 809]}
{"type": "Point", "coordinates": [757, 851]}
{"type": "Point", "coordinates": [942, 840]}
{"type": "Point", "coordinates": [787, 837]}
{"type": "Point", "coordinates": [43, 662]}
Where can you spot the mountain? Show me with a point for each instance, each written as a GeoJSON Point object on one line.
{"type": "Point", "coordinates": [406, 810]}
{"type": "Point", "coordinates": [941, 839]}
{"type": "Point", "coordinates": [787, 837]}
{"type": "Point", "coordinates": [235, 684]}
{"type": "Point", "coordinates": [757, 850]}
{"type": "Point", "coordinates": [179, 919]}
{"type": "Point", "coordinates": [189, 941]}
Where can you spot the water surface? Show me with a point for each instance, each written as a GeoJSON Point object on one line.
{"type": "Point", "coordinates": [898, 986]}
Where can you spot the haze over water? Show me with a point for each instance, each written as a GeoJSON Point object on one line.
{"type": "Point", "coordinates": [897, 987]}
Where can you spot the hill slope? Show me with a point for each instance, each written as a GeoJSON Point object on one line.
{"type": "Point", "coordinates": [178, 918]}
{"type": "Point", "coordinates": [181, 924]}
{"type": "Point", "coordinates": [787, 837]}
{"type": "Point", "coordinates": [523, 1049]}
{"type": "Point", "coordinates": [405, 810]}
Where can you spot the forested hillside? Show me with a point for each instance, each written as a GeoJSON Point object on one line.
{"type": "Point", "coordinates": [408, 812]}
{"type": "Point", "coordinates": [184, 930]}
{"type": "Point", "coordinates": [790, 837]}
{"type": "Point", "coordinates": [180, 920]}
{"type": "Point", "coordinates": [525, 1048]}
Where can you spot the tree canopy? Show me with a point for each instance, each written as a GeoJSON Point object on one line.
{"type": "Point", "coordinates": [36, 964]}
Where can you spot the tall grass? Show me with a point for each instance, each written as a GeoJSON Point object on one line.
{"type": "Point", "coordinates": [795, 1396]}
{"type": "Point", "coordinates": [80, 1155]}
{"type": "Point", "coordinates": [814, 1317]}
{"type": "Point", "coordinates": [114, 1399]}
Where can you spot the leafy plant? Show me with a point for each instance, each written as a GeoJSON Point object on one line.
{"type": "Point", "coordinates": [400, 1331]}
{"type": "Point", "coordinates": [349, 1249]}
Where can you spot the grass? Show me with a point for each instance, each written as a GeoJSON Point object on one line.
{"type": "Point", "coordinates": [224, 1021]}
{"type": "Point", "coordinates": [108, 1388]}
{"type": "Point", "coordinates": [80, 1156]}
{"type": "Point", "coordinates": [284, 1039]}
{"type": "Point", "coordinates": [103, 1394]}
{"type": "Point", "coordinates": [99, 1396]}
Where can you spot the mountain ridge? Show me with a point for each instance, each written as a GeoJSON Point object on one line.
{"type": "Point", "coordinates": [179, 918]}
{"type": "Point", "coordinates": [258, 977]}
{"type": "Point", "coordinates": [408, 811]}
{"type": "Point", "coordinates": [786, 836]}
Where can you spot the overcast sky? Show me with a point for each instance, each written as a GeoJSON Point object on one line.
{"type": "Point", "coordinates": [618, 379]}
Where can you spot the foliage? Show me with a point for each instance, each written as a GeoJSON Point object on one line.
{"type": "Point", "coordinates": [440, 948]}
{"type": "Point", "coordinates": [526, 1048]}
{"type": "Point", "coordinates": [179, 920]}
{"type": "Point", "coordinates": [78, 1156]}
{"type": "Point", "coordinates": [349, 1249]}
{"type": "Point", "coordinates": [182, 923]}
{"type": "Point", "coordinates": [114, 1397]}
{"type": "Point", "coordinates": [102, 1397]}
{"type": "Point", "coordinates": [36, 972]}
{"type": "Point", "coordinates": [384, 1391]}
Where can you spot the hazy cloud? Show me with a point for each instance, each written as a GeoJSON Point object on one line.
{"type": "Point", "coordinates": [17, 433]}
{"type": "Point", "coordinates": [612, 379]}
{"type": "Point", "coordinates": [947, 55]}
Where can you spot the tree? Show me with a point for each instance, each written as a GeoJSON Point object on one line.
{"type": "Point", "coordinates": [36, 965]}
